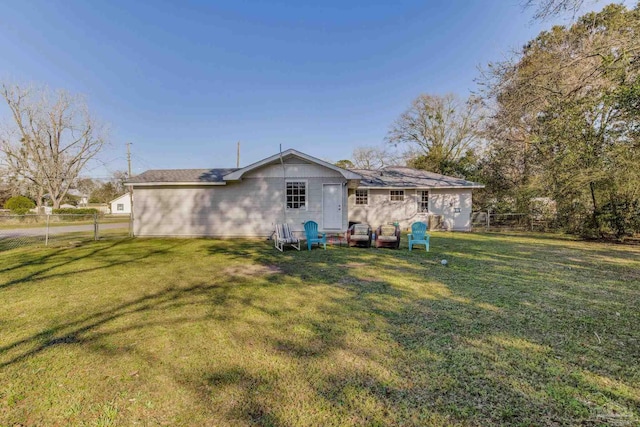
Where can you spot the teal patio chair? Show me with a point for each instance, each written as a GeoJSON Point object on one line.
{"type": "Point", "coordinates": [419, 235]}
{"type": "Point", "coordinates": [311, 230]}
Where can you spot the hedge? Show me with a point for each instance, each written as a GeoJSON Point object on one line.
{"type": "Point", "coordinates": [73, 211]}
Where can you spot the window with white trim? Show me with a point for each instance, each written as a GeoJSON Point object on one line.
{"type": "Point", "coordinates": [296, 195]}
{"type": "Point", "coordinates": [120, 207]}
{"type": "Point", "coordinates": [362, 197]}
{"type": "Point", "coordinates": [423, 201]}
{"type": "Point", "coordinates": [396, 195]}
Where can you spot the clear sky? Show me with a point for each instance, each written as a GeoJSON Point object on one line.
{"type": "Point", "coordinates": [185, 80]}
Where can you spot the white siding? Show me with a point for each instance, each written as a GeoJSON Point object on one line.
{"type": "Point", "coordinates": [382, 210]}
{"type": "Point", "coordinates": [125, 200]}
{"type": "Point", "coordinates": [445, 202]}
{"type": "Point", "coordinates": [293, 170]}
{"type": "Point", "coordinates": [249, 208]}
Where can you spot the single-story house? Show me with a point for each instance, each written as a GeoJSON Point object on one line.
{"type": "Point", "coordinates": [289, 187]}
{"type": "Point", "coordinates": [292, 187]}
{"type": "Point", "coordinates": [405, 195]}
{"type": "Point", "coordinates": [120, 205]}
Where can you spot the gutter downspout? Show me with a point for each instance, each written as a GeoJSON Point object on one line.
{"type": "Point", "coordinates": [284, 182]}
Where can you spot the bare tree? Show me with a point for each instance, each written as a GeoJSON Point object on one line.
{"type": "Point", "coordinates": [441, 129]}
{"type": "Point", "coordinates": [52, 138]}
{"type": "Point", "coordinates": [369, 157]}
{"type": "Point", "coordinates": [545, 9]}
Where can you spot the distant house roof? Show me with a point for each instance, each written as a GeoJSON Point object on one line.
{"type": "Point", "coordinates": [403, 177]}
{"type": "Point", "coordinates": [181, 176]}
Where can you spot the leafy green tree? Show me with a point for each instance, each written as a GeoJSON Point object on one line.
{"type": "Point", "coordinates": [345, 164]}
{"type": "Point", "coordinates": [565, 122]}
{"type": "Point", "coordinates": [105, 193]}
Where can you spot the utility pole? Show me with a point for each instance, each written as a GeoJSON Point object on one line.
{"type": "Point", "coordinates": [129, 157]}
{"type": "Point", "coordinates": [130, 190]}
{"type": "Point", "coordinates": [238, 157]}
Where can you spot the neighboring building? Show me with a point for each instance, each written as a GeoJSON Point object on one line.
{"type": "Point", "coordinates": [102, 208]}
{"type": "Point", "coordinates": [290, 187]}
{"type": "Point", "coordinates": [82, 198]}
{"type": "Point", "coordinates": [121, 205]}
{"type": "Point", "coordinates": [406, 195]}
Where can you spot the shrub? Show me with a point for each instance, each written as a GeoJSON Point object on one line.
{"type": "Point", "coordinates": [19, 205]}
{"type": "Point", "coordinates": [20, 211]}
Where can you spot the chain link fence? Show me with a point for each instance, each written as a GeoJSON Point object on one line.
{"type": "Point", "coordinates": [60, 229]}
{"type": "Point", "coordinates": [489, 221]}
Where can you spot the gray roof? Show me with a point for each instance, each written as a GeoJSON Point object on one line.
{"type": "Point", "coordinates": [181, 175]}
{"type": "Point", "coordinates": [403, 177]}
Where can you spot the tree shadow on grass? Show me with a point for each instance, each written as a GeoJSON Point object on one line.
{"type": "Point", "coordinates": [67, 257]}
{"type": "Point", "coordinates": [455, 326]}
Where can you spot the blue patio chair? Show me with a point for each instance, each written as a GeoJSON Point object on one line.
{"type": "Point", "coordinates": [419, 235]}
{"type": "Point", "coordinates": [311, 230]}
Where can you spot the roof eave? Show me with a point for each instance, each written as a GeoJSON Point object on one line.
{"type": "Point", "coordinates": [404, 187]}
{"type": "Point", "coordinates": [172, 184]}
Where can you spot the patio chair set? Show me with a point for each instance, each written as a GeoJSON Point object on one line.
{"type": "Point", "coordinates": [387, 236]}
{"type": "Point", "coordinates": [285, 237]}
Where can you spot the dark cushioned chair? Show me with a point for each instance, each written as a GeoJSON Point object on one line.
{"type": "Point", "coordinates": [388, 236]}
{"type": "Point", "coordinates": [359, 235]}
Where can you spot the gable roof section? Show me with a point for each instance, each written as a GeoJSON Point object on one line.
{"type": "Point", "coordinates": [237, 174]}
{"type": "Point", "coordinates": [118, 198]}
{"type": "Point", "coordinates": [221, 176]}
{"type": "Point", "coordinates": [403, 177]}
{"type": "Point", "coordinates": [181, 177]}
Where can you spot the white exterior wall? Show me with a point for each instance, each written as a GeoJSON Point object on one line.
{"type": "Point", "coordinates": [381, 210]}
{"type": "Point", "coordinates": [445, 202]}
{"type": "Point", "coordinates": [248, 208]}
{"type": "Point", "coordinates": [125, 200]}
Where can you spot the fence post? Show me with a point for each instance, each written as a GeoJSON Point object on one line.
{"type": "Point", "coordinates": [46, 234]}
{"type": "Point", "coordinates": [488, 219]}
{"type": "Point", "coordinates": [95, 226]}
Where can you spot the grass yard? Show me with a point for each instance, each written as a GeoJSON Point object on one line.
{"type": "Point", "coordinates": [517, 330]}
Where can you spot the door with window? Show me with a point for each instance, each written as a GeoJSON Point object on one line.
{"type": "Point", "coordinates": [332, 206]}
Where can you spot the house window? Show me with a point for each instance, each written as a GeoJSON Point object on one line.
{"type": "Point", "coordinates": [362, 197]}
{"type": "Point", "coordinates": [397, 195]}
{"type": "Point", "coordinates": [120, 207]}
{"type": "Point", "coordinates": [423, 201]}
{"type": "Point", "coordinates": [296, 195]}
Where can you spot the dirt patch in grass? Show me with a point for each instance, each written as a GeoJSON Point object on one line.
{"type": "Point", "coordinates": [251, 270]}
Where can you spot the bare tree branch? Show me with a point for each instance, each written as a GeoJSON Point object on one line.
{"type": "Point", "coordinates": [56, 137]}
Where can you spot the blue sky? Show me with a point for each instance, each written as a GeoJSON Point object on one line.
{"type": "Point", "coordinates": [184, 81]}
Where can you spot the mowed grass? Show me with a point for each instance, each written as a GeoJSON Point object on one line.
{"type": "Point", "coordinates": [517, 330]}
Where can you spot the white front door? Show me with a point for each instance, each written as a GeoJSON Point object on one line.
{"type": "Point", "coordinates": [332, 206]}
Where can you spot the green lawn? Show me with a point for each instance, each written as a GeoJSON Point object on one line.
{"type": "Point", "coordinates": [517, 330]}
